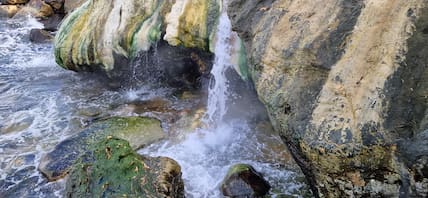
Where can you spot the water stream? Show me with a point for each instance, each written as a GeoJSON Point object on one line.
{"type": "Point", "coordinates": [42, 104]}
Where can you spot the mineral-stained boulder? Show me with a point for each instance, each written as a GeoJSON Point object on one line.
{"type": "Point", "coordinates": [107, 30]}
{"type": "Point", "coordinates": [343, 83]}
{"type": "Point", "coordinates": [138, 131]}
{"type": "Point", "coordinates": [108, 36]}
{"type": "Point", "coordinates": [116, 170]}
{"type": "Point", "coordinates": [243, 181]}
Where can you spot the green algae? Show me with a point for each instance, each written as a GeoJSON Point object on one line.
{"type": "Point", "coordinates": [118, 171]}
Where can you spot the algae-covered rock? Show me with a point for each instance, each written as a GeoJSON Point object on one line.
{"type": "Point", "coordinates": [118, 171]}
{"type": "Point", "coordinates": [242, 181]}
{"type": "Point", "coordinates": [342, 83]}
{"type": "Point", "coordinates": [138, 131]}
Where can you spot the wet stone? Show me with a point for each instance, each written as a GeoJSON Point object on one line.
{"type": "Point", "coordinates": [117, 170]}
{"type": "Point", "coordinates": [139, 131]}
{"type": "Point", "coordinates": [243, 181]}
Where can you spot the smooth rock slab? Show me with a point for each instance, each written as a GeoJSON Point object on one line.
{"type": "Point", "coordinates": [138, 131]}
{"type": "Point", "coordinates": [118, 171]}
{"type": "Point", "coordinates": [242, 181]}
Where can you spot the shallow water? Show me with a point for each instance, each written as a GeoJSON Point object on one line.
{"type": "Point", "coordinates": [42, 104]}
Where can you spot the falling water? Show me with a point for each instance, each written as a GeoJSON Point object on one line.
{"type": "Point", "coordinates": [206, 154]}
{"type": "Point", "coordinates": [218, 90]}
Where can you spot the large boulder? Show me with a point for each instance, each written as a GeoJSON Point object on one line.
{"type": "Point", "coordinates": [139, 131]}
{"type": "Point", "coordinates": [343, 83]}
{"type": "Point", "coordinates": [114, 169]}
{"type": "Point", "coordinates": [112, 36]}
{"type": "Point", "coordinates": [106, 31]}
{"type": "Point", "coordinates": [243, 181]}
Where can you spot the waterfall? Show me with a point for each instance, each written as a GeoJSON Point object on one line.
{"type": "Point", "coordinates": [218, 89]}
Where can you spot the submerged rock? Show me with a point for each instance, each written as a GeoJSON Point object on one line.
{"type": "Point", "coordinates": [138, 131]}
{"type": "Point", "coordinates": [243, 181]}
{"type": "Point", "coordinates": [342, 82]}
{"type": "Point", "coordinates": [40, 36]}
{"type": "Point", "coordinates": [117, 170]}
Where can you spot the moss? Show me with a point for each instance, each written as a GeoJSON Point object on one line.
{"type": "Point", "coordinates": [117, 171]}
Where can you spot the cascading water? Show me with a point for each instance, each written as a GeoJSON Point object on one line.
{"type": "Point", "coordinates": [218, 89]}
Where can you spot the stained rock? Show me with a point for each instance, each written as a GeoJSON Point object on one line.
{"type": "Point", "coordinates": [342, 83]}
{"type": "Point", "coordinates": [115, 170]}
{"type": "Point", "coordinates": [139, 131]}
{"type": "Point", "coordinates": [243, 181]}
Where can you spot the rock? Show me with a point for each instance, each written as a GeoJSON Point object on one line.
{"type": "Point", "coordinates": [243, 181]}
{"type": "Point", "coordinates": [342, 83]}
{"type": "Point", "coordinates": [40, 36]}
{"type": "Point", "coordinates": [35, 8]}
{"type": "Point", "coordinates": [57, 5]}
{"type": "Point", "coordinates": [9, 10]}
{"type": "Point", "coordinates": [52, 23]}
{"type": "Point", "coordinates": [117, 170]}
{"type": "Point", "coordinates": [121, 42]}
{"type": "Point", "coordinates": [13, 2]}
{"type": "Point", "coordinates": [138, 131]}
{"type": "Point", "coordinates": [70, 5]}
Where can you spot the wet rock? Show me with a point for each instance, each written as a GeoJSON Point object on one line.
{"type": "Point", "coordinates": [138, 131]}
{"type": "Point", "coordinates": [40, 36]}
{"type": "Point", "coordinates": [137, 40]}
{"type": "Point", "coordinates": [35, 8]}
{"type": "Point", "coordinates": [13, 2]}
{"type": "Point", "coordinates": [70, 5]}
{"type": "Point", "coordinates": [243, 181]}
{"type": "Point", "coordinates": [117, 170]}
{"type": "Point", "coordinates": [57, 5]}
{"type": "Point", "coordinates": [9, 10]}
{"type": "Point", "coordinates": [337, 90]}
{"type": "Point", "coordinates": [52, 23]}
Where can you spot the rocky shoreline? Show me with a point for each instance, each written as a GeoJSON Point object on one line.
{"type": "Point", "coordinates": [344, 84]}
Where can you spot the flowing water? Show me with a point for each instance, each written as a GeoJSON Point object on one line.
{"type": "Point", "coordinates": [42, 104]}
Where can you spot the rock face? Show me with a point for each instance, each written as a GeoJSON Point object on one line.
{"type": "Point", "coordinates": [242, 181]}
{"type": "Point", "coordinates": [116, 170]}
{"type": "Point", "coordinates": [344, 83]}
{"type": "Point", "coordinates": [138, 131]}
{"type": "Point", "coordinates": [40, 36]}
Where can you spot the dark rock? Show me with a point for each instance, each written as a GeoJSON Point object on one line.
{"type": "Point", "coordinates": [117, 170]}
{"type": "Point", "coordinates": [243, 181]}
{"type": "Point", "coordinates": [138, 131]}
{"type": "Point", "coordinates": [40, 36]}
{"type": "Point", "coordinates": [52, 23]}
{"type": "Point", "coordinates": [57, 5]}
